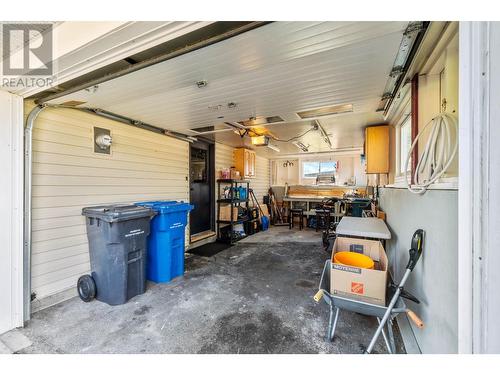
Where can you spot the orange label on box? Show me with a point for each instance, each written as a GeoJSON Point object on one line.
{"type": "Point", "coordinates": [357, 288]}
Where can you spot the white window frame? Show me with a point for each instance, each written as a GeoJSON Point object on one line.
{"type": "Point", "coordinates": [11, 213]}
{"type": "Point", "coordinates": [309, 180]}
{"type": "Point", "coordinates": [400, 158]}
{"type": "Point", "coordinates": [405, 114]}
{"type": "Point", "coordinates": [478, 215]}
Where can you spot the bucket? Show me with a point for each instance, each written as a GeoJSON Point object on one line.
{"type": "Point", "coordinates": [349, 258]}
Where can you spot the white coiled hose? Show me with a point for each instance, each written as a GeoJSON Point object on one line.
{"type": "Point", "coordinates": [438, 153]}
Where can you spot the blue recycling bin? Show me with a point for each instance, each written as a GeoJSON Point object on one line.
{"type": "Point", "coordinates": [166, 241]}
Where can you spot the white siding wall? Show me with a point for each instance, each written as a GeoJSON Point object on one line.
{"type": "Point", "coordinates": [68, 175]}
{"type": "Point", "coordinates": [260, 184]}
{"type": "Point", "coordinates": [224, 158]}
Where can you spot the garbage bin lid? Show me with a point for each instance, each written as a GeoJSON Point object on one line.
{"type": "Point", "coordinates": [152, 203]}
{"type": "Point", "coordinates": [114, 213]}
{"type": "Point", "coordinates": [167, 207]}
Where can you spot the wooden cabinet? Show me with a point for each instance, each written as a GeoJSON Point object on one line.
{"type": "Point", "coordinates": [244, 162]}
{"type": "Point", "coordinates": [377, 149]}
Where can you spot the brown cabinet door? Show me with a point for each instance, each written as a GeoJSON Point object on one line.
{"type": "Point", "coordinates": [247, 163]}
{"type": "Point", "coordinates": [252, 164]}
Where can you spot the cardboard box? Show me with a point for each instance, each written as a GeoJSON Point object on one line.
{"type": "Point", "coordinates": [358, 283]}
{"type": "Point", "coordinates": [235, 175]}
{"type": "Point", "coordinates": [225, 212]}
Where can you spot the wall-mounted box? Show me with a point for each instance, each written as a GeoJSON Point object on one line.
{"type": "Point", "coordinates": [377, 149]}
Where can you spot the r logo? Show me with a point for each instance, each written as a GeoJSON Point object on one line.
{"type": "Point", "coordinates": [27, 49]}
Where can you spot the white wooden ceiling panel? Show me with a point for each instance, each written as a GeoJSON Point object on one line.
{"type": "Point", "coordinates": [277, 69]}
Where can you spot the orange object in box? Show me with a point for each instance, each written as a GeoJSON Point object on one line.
{"type": "Point", "coordinates": [349, 258]}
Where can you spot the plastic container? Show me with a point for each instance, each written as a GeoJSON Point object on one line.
{"type": "Point", "coordinates": [166, 242]}
{"type": "Point", "coordinates": [117, 245]}
{"type": "Point", "coordinates": [265, 222]}
{"type": "Point", "coordinates": [358, 205]}
{"type": "Point", "coordinates": [242, 193]}
{"type": "Point", "coordinates": [349, 258]}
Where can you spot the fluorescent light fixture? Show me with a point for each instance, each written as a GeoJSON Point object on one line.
{"type": "Point", "coordinates": [273, 147]}
{"type": "Point", "coordinates": [325, 111]}
{"type": "Point", "coordinates": [301, 146]}
{"type": "Point", "coordinates": [260, 140]}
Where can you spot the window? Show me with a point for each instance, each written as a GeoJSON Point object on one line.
{"type": "Point", "coordinates": [404, 145]}
{"type": "Point", "coordinates": [310, 169]}
{"type": "Point", "coordinates": [198, 165]}
{"type": "Point", "coordinates": [313, 169]}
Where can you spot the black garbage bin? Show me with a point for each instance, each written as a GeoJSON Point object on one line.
{"type": "Point", "coordinates": [118, 250]}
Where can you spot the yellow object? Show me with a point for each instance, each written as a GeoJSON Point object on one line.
{"type": "Point", "coordinates": [244, 161]}
{"type": "Point", "coordinates": [317, 296]}
{"type": "Point", "coordinates": [348, 258]}
{"type": "Point", "coordinates": [260, 140]}
{"type": "Point", "coordinates": [377, 149]}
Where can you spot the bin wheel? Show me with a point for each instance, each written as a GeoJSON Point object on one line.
{"type": "Point", "coordinates": [86, 288]}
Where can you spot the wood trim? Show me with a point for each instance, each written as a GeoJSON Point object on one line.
{"type": "Point", "coordinates": [414, 123]}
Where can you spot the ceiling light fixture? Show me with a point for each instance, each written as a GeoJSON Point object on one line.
{"type": "Point", "coordinates": [325, 111]}
{"type": "Point", "coordinates": [273, 147]}
{"type": "Point", "coordinates": [301, 146]}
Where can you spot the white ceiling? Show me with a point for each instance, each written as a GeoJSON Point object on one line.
{"type": "Point", "coordinates": [277, 69]}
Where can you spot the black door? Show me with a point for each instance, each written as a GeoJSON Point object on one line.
{"type": "Point", "coordinates": [201, 179]}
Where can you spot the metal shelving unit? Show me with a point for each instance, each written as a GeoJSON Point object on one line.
{"type": "Point", "coordinates": [233, 201]}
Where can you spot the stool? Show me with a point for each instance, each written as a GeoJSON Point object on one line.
{"type": "Point", "coordinates": [322, 215]}
{"type": "Point", "coordinates": [296, 212]}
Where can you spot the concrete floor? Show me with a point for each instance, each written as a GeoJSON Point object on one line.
{"type": "Point", "coordinates": [255, 297]}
